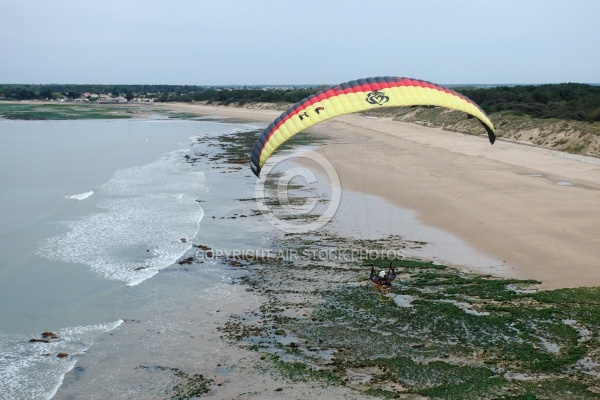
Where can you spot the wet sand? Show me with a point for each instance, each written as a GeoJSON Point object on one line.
{"type": "Point", "coordinates": [534, 208]}
{"type": "Point", "coordinates": [502, 200]}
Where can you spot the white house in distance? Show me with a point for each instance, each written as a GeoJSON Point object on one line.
{"type": "Point", "coordinates": [141, 100]}
{"type": "Point", "coordinates": [107, 98]}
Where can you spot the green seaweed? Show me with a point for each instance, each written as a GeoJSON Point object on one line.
{"type": "Point", "coordinates": [63, 111]}
{"type": "Point", "coordinates": [456, 340]}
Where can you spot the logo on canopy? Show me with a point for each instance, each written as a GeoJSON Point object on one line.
{"type": "Point", "coordinates": [377, 98]}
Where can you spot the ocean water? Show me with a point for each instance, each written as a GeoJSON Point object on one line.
{"type": "Point", "coordinates": [94, 217]}
{"type": "Point", "coordinates": [91, 212]}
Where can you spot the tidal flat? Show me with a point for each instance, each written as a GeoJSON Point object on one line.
{"type": "Point", "coordinates": [446, 334]}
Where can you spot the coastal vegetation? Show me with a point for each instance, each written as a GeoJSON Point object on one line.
{"type": "Point", "coordinates": [563, 117]}
{"type": "Point", "coordinates": [62, 111]}
{"type": "Point", "coordinates": [571, 101]}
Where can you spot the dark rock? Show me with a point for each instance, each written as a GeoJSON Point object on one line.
{"type": "Point", "coordinates": [49, 335]}
{"type": "Point", "coordinates": [62, 355]}
{"type": "Point", "coordinates": [39, 340]}
{"type": "Point", "coordinates": [183, 240]}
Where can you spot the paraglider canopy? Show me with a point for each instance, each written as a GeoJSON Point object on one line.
{"type": "Point", "coordinates": [356, 96]}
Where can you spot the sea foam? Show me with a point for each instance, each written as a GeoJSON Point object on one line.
{"type": "Point", "coordinates": [145, 212]}
{"type": "Point", "coordinates": [32, 370]}
{"type": "Point", "coordinates": [81, 196]}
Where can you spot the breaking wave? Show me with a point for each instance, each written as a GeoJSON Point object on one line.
{"type": "Point", "coordinates": [33, 370]}
{"type": "Point", "coordinates": [145, 212]}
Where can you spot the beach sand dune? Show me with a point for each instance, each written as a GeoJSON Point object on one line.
{"type": "Point", "coordinates": [535, 208]}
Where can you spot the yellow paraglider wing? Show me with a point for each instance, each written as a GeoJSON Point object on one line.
{"type": "Point", "coordinates": [356, 96]}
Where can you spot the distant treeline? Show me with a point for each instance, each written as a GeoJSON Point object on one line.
{"type": "Point", "coordinates": [566, 100]}
{"type": "Point", "coordinates": [574, 101]}
{"type": "Point", "coordinates": [71, 91]}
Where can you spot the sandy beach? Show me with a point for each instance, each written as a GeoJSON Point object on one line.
{"type": "Point", "coordinates": [534, 208]}
{"type": "Point", "coordinates": [222, 326]}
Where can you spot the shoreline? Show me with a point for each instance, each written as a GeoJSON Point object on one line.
{"type": "Point", "coordinates": [507, 200]}
{"type": "Point", "coordinates": [282, 328]}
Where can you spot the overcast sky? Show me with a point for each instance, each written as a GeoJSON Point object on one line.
{"type": "Point", "coordinates": [251, 42]}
